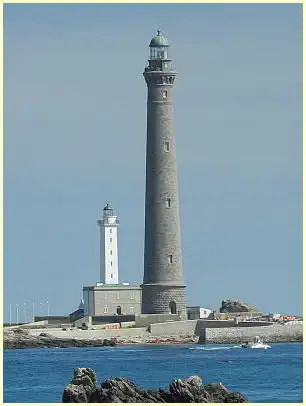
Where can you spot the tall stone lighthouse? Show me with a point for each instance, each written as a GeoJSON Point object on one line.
{"type": "Point", "coordinates": [163, 283]}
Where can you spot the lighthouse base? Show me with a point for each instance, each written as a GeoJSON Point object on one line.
{"type": "Point", "coordinates": [164, 299]}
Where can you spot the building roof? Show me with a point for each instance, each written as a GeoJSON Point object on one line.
{"type": "Point", "coordinates": [107, 286]}
{"type": "Point", "coordinates": [159, 40]}
{"type": "Point", "coordinates": [77, 312]}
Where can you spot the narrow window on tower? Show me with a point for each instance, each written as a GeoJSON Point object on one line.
{"type": "Point", "coordinates": [110, 240]}
{"type": "Point", "coordinates": [167, 146]}
{"type": "Point", "coordinates": [111, 252]}
{"type": "Point", "coordinates": [170, 259]}
{"type": "Point", "coordinates": [131, 309]}
{"type": "Point", "coordinates": [105, 309]}
{"type": "Point", "coordinates": [110, 230]}
{"type": "Point", "coordinates": [111, 263]}
{"type": "Point", "coordinates": [112, 276]}
{"type": "Point", "coordinates": [164, 94]}
{"type": "Point", "coordinates": [168, 202]}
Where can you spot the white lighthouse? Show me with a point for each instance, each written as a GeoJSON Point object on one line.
{"type": "Point", "coordinates": [108, 247]}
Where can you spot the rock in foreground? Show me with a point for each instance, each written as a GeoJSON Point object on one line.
{"type": "Point", "coordinates": [83, 389]}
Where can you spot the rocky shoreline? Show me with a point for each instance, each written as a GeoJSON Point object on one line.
{"type": "Point", "coordinates": [19, 339]}
{"type": "Point", "coordinates": [83, 389]}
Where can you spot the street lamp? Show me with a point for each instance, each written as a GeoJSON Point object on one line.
{"type": "Point", "coordinates": [10, 314]}
{"type": "Point", "coordinates": [33, 311]}
{"type": "Point", "coordinates": [40, 306]}
{"type": "Point", "coordinates": [17, 308]}
{"type": "Point", "coordinates": [25, 312]}
{"type": "Point", "coordinates": [48, 307]}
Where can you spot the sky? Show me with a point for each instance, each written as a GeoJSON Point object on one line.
{"type": "Point", "coordinates": [75, 138]}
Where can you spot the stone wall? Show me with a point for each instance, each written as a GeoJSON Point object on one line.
{"type": "Point", "coordinates": [128, 324]}
{"type": "Point", "coordinates": [34, 324]}
{"type": "Point", "coordinates": [235, 335]}
{"type": "Point", "coordinates": [202, 324]}
{"type": "Point", "coordinates": [174, 327]}
{"type": "Point", "coordinates": [94, 334]}
{"type": "Point", "coordinates": [144, 320]}
{"type": "Point", "coordinates": [53, 320]}
{"type": "Point", "coordinates": [97, 320]}
{"type": "Point", "coordinates": [241, 315]}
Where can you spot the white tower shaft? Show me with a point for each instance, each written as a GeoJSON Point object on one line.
{"type": "Point", "coordinates": [108, 247]}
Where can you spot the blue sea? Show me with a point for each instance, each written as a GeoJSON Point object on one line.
{"type": "Point", "coordinates": [273, 375]}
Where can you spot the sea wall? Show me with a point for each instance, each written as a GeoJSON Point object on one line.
{"type": "Point", "coordinates": [195, 326]}
{"type": "Point", "coordinates": [34, 324]}
{"type": "Point", "coordinates": [234, 335]}
{"type": "Point", "coordinates": [93, 334]}
{"type": "Point", "coordinates": [158, 329]}
{"type": "Point", "coordinates": [201, 324]}
{"type": "Point", "coordinates": [174, 327]}
{"type": "Point", "coordinates": [53, 320]}
{"type": "Point", "coordinates": [241, 315]}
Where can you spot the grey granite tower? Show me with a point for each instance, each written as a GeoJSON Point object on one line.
{"type": "Point", "coordinates": [163, 283]}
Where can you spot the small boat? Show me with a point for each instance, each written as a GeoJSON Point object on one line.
{"type": "Point", "coordinates": [257, 343]}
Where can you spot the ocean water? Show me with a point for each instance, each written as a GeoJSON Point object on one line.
{"type": "Point", "coordinates": [273, 375]}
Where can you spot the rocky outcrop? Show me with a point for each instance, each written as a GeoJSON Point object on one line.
{"type": "Point", "coordinates": [236, 306]}
{"type": "Point", "coordinates": [22, 339]}
{"type": "Point", "coordinates": [82, 386]}
{"type": "Point", "coordinates": [83, 389]}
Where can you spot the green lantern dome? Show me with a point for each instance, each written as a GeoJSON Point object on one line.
{"type": "Point", "coordinates": [159, 41]}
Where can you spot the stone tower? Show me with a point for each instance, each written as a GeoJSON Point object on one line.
{"type": "Point", "coordinates": [108, 247]}
{"type": "Point", "coordinates": [163, 283]}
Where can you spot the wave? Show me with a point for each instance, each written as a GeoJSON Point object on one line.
{"type": "Point", "coordinates": [213, 348]}
{"type": "Point", "coordinates": [133, 350]}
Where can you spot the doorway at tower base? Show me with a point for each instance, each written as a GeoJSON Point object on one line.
{"type": "Point", "coordinates": [164, 299]}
